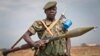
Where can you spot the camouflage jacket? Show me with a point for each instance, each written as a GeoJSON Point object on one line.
{"type": "Point", "coordinates": [54, 48]}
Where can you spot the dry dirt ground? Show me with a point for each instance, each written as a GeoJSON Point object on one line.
{"type": "Point", "coordinates": [86, 51]}
{"type": "Point", "coordinates": [75, 51]}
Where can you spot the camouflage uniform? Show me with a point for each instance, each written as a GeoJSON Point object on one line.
{"type": "Point", "coordinates": [55, 48]}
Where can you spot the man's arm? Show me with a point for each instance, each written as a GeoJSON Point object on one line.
{"type": "Point", "coordinates": [28, 39]}
{"type": "Point", "coordinates": [68, 46]}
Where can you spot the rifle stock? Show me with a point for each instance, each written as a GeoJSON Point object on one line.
{"type": "Point", "coordinates": [25, 46]}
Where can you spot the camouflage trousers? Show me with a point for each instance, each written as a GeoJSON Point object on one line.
{"type": "Point", "coordinates": [44, 54]}
{"type": "Point", "coordinates": [50, 55]}
{"type": "Point", "coordinates": [53, 55]}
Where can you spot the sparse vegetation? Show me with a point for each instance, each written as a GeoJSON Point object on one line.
{"type": "Point", "coordinates": [75, 51]}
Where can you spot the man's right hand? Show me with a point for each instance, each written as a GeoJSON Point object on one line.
{"type": "Point", "coordinates": [39, 43]}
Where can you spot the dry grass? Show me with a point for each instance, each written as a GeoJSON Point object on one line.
{"type": "Point", "coordinates": [85, 51]}
{"type": "Point", "coordinates": [27, 52]}
{"type": "Point", "coordinates": [75, 51]}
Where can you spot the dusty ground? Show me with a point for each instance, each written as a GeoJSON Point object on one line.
{"type": "Point", "coordinates": [86, 51]}
{"type": "Point", "coordinates": [75, 51]}
{"type": "Point", "coordinates": [27, 52]}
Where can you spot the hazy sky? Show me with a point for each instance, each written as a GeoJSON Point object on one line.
{"type": "Point", "coordinates": [16, 16]}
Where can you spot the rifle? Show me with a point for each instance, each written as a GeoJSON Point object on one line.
{"type": "Point", "coordinates": [72, 33]}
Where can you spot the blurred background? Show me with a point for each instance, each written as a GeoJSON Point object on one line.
{"type": "Point", "coordinates": [16, 16]}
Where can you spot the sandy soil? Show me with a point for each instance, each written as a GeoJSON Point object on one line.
{"type": "Point", "coordinates": [75, 51]}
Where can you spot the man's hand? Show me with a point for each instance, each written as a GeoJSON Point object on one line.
{"type": "Point", "coordinates": [39, 43]}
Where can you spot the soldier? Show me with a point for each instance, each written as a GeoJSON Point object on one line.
{"type": "Point", "coordinates": [56, 48]}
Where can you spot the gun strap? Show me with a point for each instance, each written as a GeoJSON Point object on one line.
{"type": "Point", "coordinates": [47, 28]}
{"type": "Point", "coordinates": [50, 27]}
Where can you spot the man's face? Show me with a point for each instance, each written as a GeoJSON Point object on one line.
{"type": "Point", "coordinates": [51, 12]}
